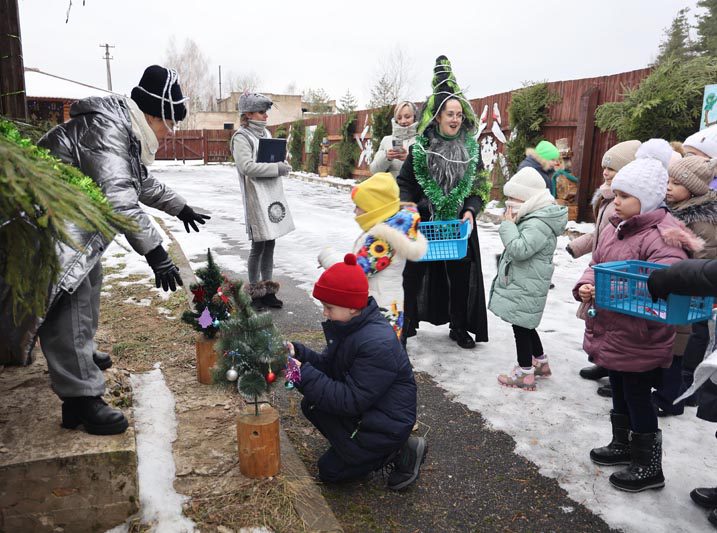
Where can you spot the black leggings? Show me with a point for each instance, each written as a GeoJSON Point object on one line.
{"type": "Point", "coordinates": [527, 344]}
{"type": "Point", "coordinates": [632, 395]}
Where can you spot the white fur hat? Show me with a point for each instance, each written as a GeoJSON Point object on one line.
{"type": "Point", "coordinates": [705, 141]}
{"type": "Point", "coordinates": [524, 184]}
{"type": "Point", "coordinates": [645, 178]}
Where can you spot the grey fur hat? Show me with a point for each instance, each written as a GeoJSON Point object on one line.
{"type": "Point", "coordinates": [254, 103]}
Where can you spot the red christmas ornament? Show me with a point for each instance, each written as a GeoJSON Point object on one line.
{"type": "Point", "coordinates": [271, 377]}
{"type": "Point", "coordinates": [199, 295]}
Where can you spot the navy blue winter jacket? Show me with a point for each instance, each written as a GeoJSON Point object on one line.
{"type": "Point", "coordinates": [364, 377]}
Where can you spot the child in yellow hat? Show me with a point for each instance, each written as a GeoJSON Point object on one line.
{"type": "Point", "coordinates": [390, 237]}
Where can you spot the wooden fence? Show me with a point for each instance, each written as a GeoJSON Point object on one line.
{"type": "Point", "coordinates": [572, 118]}
{"type": "Point", "coordinates": [212, 146]}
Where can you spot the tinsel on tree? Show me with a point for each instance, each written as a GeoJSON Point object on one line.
{"type": "Point", "coordinates": [39, 197]}
{"type": "Point", "coordinates": [250, 348]}
{"type": "Point", "coordinates": [211, 305]}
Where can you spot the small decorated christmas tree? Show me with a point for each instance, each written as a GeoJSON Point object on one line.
{"type": "Point", "coordinates": [253, 350]}
{"type": "Point", "coordinates": [211, 305]}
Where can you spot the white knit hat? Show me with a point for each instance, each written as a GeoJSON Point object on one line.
{"type": "Point", "coordinates": [705, 141]}
{"type": "Point", "coordinates": [646, 177]}
{"type": "Point", "coordinates": [524, 184]}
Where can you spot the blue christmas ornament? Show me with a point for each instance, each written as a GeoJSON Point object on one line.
{"type": "Point", "coordinates": [215, 323]}
{"type": "Point", "coordinates": [289, 385]}
{"type": "Point", "coordinates": [592, 312]}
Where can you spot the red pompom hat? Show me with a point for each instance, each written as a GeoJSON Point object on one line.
{"type": "Point", "coordinates": [344, 284]}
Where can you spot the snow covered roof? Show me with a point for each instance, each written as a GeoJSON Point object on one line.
{"type": "Point", "coordinates": [41, 84]}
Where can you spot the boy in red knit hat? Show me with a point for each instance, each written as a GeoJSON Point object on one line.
{"type": "Point", "coordinates": [360, 391]}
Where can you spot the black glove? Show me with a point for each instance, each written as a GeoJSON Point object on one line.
{"type": "Point", "coordinates": [189, 217]}
{"type": "Point", "coordinates": [166, 273]}
{"type": "Point", "coordinates": [657, 284]}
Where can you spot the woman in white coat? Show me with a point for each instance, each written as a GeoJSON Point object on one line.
{"type": "Point", "coordinates": [266, 210]}
{"type": "Point", "coordinates": [394, 148]}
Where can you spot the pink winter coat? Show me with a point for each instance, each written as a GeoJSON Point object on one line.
{"type": "Point", "coordinates": [622, 342]}
{"type": "Point", "coordinates": [604, 208]}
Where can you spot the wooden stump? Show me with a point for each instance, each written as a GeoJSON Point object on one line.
{"type": "Point", "coordinates": [206, 359]}
{"type": "Point", "coordinates": [258, 439]}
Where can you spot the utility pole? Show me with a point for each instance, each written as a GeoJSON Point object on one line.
{"type": "Point", "coordinates": [220, 82]}
{"type": "Point", "coordinates": [12, 73]}
{"type": "Point", "coordinates": [107, 59]}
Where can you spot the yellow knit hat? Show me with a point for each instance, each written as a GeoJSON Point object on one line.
{"type": "Point", "coordinates": [378, 196]}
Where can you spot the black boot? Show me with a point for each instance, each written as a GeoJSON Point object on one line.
{"type": "Point", "coordinates": [605, 390]}
{"type": "Point", "coordinates": [705, 497]}
{"type": "Point", "coordinates": [270, 300]}
{"type": "Point", "coordinates": [407, 464]}
{"type": "Point", "coordinates": [645, 470]}
{"type": "Point", "coordinates": [257, 291]}
{"type": "Point", "coordinates": [712, 517]}
{"type": "Point", "coordinates": [462, 338]}
{"type": "Point", "coordinates": [593, 372]}
{"type": "Point", "coordinates": [618, 451]}
{"type": "Point", "coordinates": [94, 414]}
{"type": "Point", "coordinates": [102, 360]}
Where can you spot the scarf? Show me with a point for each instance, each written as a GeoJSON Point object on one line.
{"type": "Point", "coordinates": [447, 159]}
{"type": "Point", "coordinates": [403, 133]}
{"type": "Point", "coordinates": [140, 127]}
{"type": "Point", "coordinates": [257, 127]}
{"type": "Point", "coordinates": [532, 204]}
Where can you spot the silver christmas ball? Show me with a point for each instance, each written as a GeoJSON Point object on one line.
{"type": "Point", "coordinates": [232, 374]}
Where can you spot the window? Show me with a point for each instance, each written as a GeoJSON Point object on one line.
{"type": "Point", "coordinates": [228, 125]}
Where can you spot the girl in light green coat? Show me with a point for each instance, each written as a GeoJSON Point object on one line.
{"type": "Point", "coordinates": [529, 231]}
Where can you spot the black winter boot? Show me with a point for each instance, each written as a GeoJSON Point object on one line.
{"type": "Point", "coordinates": [462, 338]}
{"type": "Point", "coordinates": [705, 497]}
{"type": "Point", "coordinates": [593, 372]}
{"type": "Point", "coordinates": [407, 464]}
{"type": "Point", "coordinates": [645, 470]}
{"type": "Point", "coordinates": [102, 360]}
{"type": "Point", "coordinates": [257, 291]}
{"type": "Point", "coordinates": [605, 390]}
{"type": "Point", "coordinates": [618, 451]}
{"type": "Point", "coordinates": [270, 300]}
{"type": "Point", "coordinates": [94, 414]}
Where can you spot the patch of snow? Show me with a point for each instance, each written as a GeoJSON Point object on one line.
{"type": "Point", "coordinates": [580, 227]}
{"type": "Point", "coordinates": [144, 302]}
{"type": "Point", "coordinates": [163, 311]}
{"type": "Point", "coordinates": [156, 428]}
{"type": "Point", "coordinates": [567, 509]}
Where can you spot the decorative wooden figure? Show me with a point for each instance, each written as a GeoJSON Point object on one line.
{"type": "Point", "coordinates": [258, 440]}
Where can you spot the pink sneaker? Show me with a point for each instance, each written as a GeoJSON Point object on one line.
{"type": "Point", "coordinates": [541, 367]}
{"type": "Point", "coordinates": [518, 378]}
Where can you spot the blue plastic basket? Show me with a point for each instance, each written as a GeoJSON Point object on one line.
{"type": "Point", "coordinates": [621, 286]}
{"type": "Point", "coordinates": [447, 239]}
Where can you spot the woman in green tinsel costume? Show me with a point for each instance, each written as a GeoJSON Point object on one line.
{"type": "Point", "coordinates": [443, 176]}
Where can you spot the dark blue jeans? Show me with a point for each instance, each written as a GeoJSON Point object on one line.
{"type": "Point", "coordinates": [345, 459]}
{"type": "Point", "coordinates": [632, 395]}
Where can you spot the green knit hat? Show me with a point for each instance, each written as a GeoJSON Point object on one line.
{"type": "Point", "coordinates": [445, 86]}
{"type": "Point", "coordinates": [547, 151]}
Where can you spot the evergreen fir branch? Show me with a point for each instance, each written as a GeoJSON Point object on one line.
{"type": "Point", "coordinates": [40, 198]}
{"type": "Point", "coordinates": [253, 384]}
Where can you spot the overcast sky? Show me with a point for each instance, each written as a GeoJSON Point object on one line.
{"type": "Point", "coordinates": [494, 46]}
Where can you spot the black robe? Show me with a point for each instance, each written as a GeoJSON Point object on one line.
{"type": "Point", "coordinates": [431, 301]}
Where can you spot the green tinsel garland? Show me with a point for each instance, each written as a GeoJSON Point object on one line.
{"type": "Point", "coordinates": [446, 206]}
{"type": "Point", "coordinates": [67, 173]}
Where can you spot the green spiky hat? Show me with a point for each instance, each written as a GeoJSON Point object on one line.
{"type": "Point", "coordinates": [445, 86]}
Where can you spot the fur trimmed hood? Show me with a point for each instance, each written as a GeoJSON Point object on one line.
{"type": "Point", "coordinates": [698, 209]}
{"type": "Point", "coordinates": [675, 233]}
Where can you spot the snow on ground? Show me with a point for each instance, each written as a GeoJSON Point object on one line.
{"type": "Point", "coordinates": [554, 427]}
{"type": "Point", "coordinates": [156, 425]}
